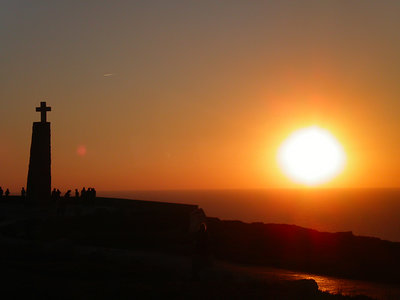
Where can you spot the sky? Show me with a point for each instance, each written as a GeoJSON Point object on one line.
{"type": "Point", "coordinates": [153, 95]}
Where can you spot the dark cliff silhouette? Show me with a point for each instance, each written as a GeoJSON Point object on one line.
{"type": "Point", "coordinates": [288, 246]}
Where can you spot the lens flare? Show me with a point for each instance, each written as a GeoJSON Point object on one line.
{"type": "Point", "coordinates": [81, 150]}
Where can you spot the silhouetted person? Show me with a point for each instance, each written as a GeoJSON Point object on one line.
{"type": "Point", "coordinates": [67, 194]}
{"type": "Point", "coordinates": [200, 253]}
{"type": "Point", "coordinates": [23, 193]}
{"type": "Point", "coordinates": [90, 194]}
{"type": "Point", "coordinates": [60, 203]}
{"type": "Point", "coordinates": [1, 192]}
{"type": "Point", "coordinates": [7, 193]}
{"type": "Point", "coordinates": [94, 193]}
{"type": "Point", "coordinates": [57, 196]}
{"type": "Point", "coordinates": [76, 193]}
{"type": "Point", "coordinates": [54, 195]}
{"type": "Point", "coordinates": [83, 193]}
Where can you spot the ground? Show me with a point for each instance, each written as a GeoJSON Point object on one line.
{"type": "Point", "coordinates": [120, 253]}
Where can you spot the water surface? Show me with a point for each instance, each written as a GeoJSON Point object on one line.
{"type": "Point", "coordinates": [325, 283]}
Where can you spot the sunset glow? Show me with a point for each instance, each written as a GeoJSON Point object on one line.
{"type": "Point", "coordinates": [311, 156]}
{"type": "Point", "coordinates": [147, 96]}
{"type": "Point", "coordinates": [200, 149]}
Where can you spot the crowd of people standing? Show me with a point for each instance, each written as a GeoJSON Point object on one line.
{"type": "Point", "coordinates": [6, 193]}
{"type": "Point", "coordinates": [89, 194]}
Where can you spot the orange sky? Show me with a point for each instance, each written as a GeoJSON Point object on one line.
{"type": "Point", "coordinates": [198, 94]}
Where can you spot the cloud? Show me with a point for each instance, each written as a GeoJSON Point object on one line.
{"type": "Point", "coordinates": [108, 74]}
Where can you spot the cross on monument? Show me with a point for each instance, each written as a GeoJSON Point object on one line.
{"type": "Point", "coordinates": [43, 111]}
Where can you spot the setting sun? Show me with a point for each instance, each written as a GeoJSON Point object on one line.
{"type": "Point", "coordinates": [311, 156]}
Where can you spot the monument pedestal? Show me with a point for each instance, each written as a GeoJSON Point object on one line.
{"type": "Point", "coordinates": [39, 175]}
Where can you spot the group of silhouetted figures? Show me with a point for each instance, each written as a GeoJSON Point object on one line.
{"type": "Point", "coordinates": [6, 193]}
{"type": "Point", "coordinates": [61, 202]}
{"type": "Point", "coordinates": [89, 194]}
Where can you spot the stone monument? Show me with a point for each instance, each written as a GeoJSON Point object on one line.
{"type": "Point", "coordinates": [39, 175]}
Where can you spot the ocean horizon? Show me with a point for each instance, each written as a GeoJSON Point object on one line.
{"type": "Point", "coordinates": [370, 212]}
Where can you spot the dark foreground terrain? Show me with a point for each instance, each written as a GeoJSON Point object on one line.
{"type": "Point", "coordinates": [292, 247]}
{"type": "Point", "coordinates": [61, 270]}
{"type": "Point", "coordinates": [117, 249]}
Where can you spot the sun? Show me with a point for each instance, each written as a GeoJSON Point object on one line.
{"type": "Point", "coordinates": [311, 156]}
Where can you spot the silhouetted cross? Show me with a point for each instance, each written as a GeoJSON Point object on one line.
{"type": "Point", "coordinates": [43, 111]}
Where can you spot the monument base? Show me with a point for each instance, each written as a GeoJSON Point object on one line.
{"type": "Point", "coordinates": [39, 176]}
